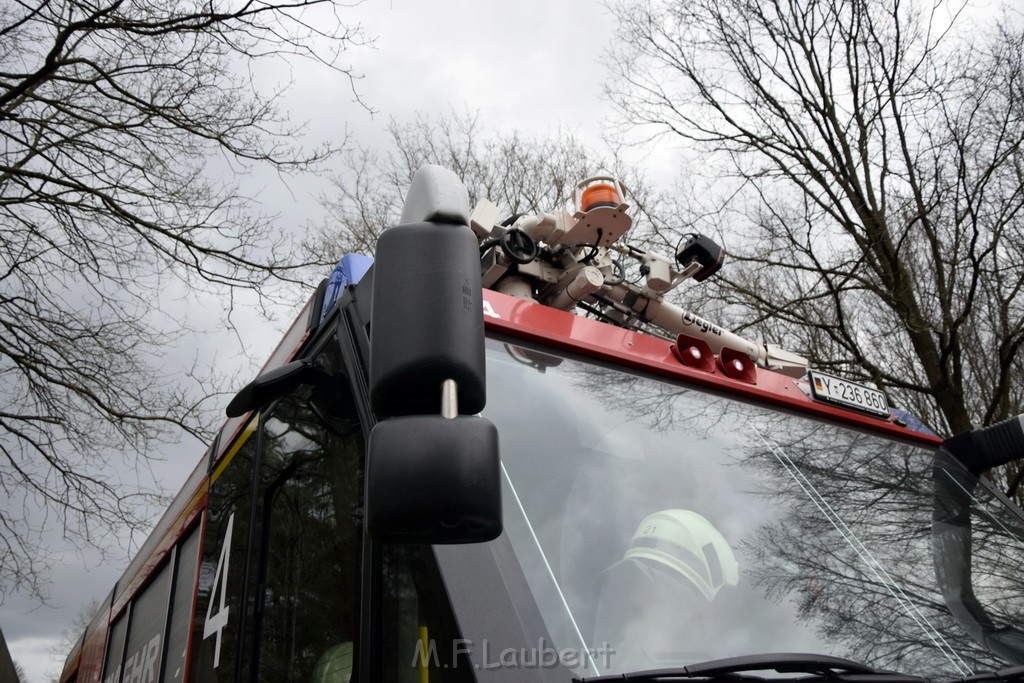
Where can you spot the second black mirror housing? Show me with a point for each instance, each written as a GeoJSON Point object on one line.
{"type": "Point", "coordinates": [432, 479]}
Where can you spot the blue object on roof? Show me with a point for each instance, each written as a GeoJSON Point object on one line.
{"type": "Point", "coordinates": [912, 421]}
{"type": "Point", "coordinates": [349, 271]}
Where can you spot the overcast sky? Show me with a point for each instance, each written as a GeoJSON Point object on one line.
{"type": "Point", "coordinates": [531, 65]}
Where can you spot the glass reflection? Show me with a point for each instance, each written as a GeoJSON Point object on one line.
{"type": "Point", "coordinates": [680, 526]}
{"type": "Point", "coordinates": [309, 499]}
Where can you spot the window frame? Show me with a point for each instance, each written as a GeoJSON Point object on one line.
{"type": "Point", "coordinates": [329, 332]}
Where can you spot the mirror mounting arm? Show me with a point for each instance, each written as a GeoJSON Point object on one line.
{"type": "Point", "coordinates": [270, 386]}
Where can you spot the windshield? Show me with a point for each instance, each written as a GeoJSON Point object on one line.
{"type": "Point", "coordinates": [658, 525]}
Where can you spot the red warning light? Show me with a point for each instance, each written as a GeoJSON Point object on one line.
{"type": "Point", "coordinates": [737, 364]}
{"type": "Point", "coordinates": [694, 353]}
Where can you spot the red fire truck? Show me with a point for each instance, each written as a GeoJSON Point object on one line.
{"type": "Point", "coordinates": [670, 501]}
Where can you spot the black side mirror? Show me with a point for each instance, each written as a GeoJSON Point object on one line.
{"type": "Point", "coordinates": [431, 477]}
{"type": "Point", "coordinates": [434, 480]}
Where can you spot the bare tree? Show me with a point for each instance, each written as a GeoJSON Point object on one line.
{"type": "Point", "coordinates": [110, 113]}
{"type": "Point", "coordinates": [71, 634]}
{"type": "Point", "coordinates": [518, 172]}
{"type": "Point", "coordinates": [867, 172]}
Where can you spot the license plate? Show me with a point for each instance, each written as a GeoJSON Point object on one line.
{"type": "Point", "coordinates": [831, 389]}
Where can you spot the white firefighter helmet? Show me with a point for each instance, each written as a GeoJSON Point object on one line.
{"type": "Point", "coordinates": [689, 544]}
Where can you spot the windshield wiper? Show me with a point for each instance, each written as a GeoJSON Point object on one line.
{"type": "Point", "coordinates": [1014, 673]}
{"type": "Point", "coordinates": [739, 668]}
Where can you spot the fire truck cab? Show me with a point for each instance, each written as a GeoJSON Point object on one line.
{"type": "Point", "coordinates": [500, 453]}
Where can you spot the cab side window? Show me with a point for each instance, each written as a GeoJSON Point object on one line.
{"type": "Point", "coordinates": [310, 499]}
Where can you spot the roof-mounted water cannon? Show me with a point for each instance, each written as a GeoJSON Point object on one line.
{"type": "Point", "coordinates": [579, 262]}
{"type": "Point", "coordinates": [595, 218]}
{"type": "Point", "coordinates": [700, 257]}
{"type": "Point", "coordinates": [557, 258]}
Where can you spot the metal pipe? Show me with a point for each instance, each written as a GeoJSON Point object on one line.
{"type": "Point", "coordinates": [449, 399]}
